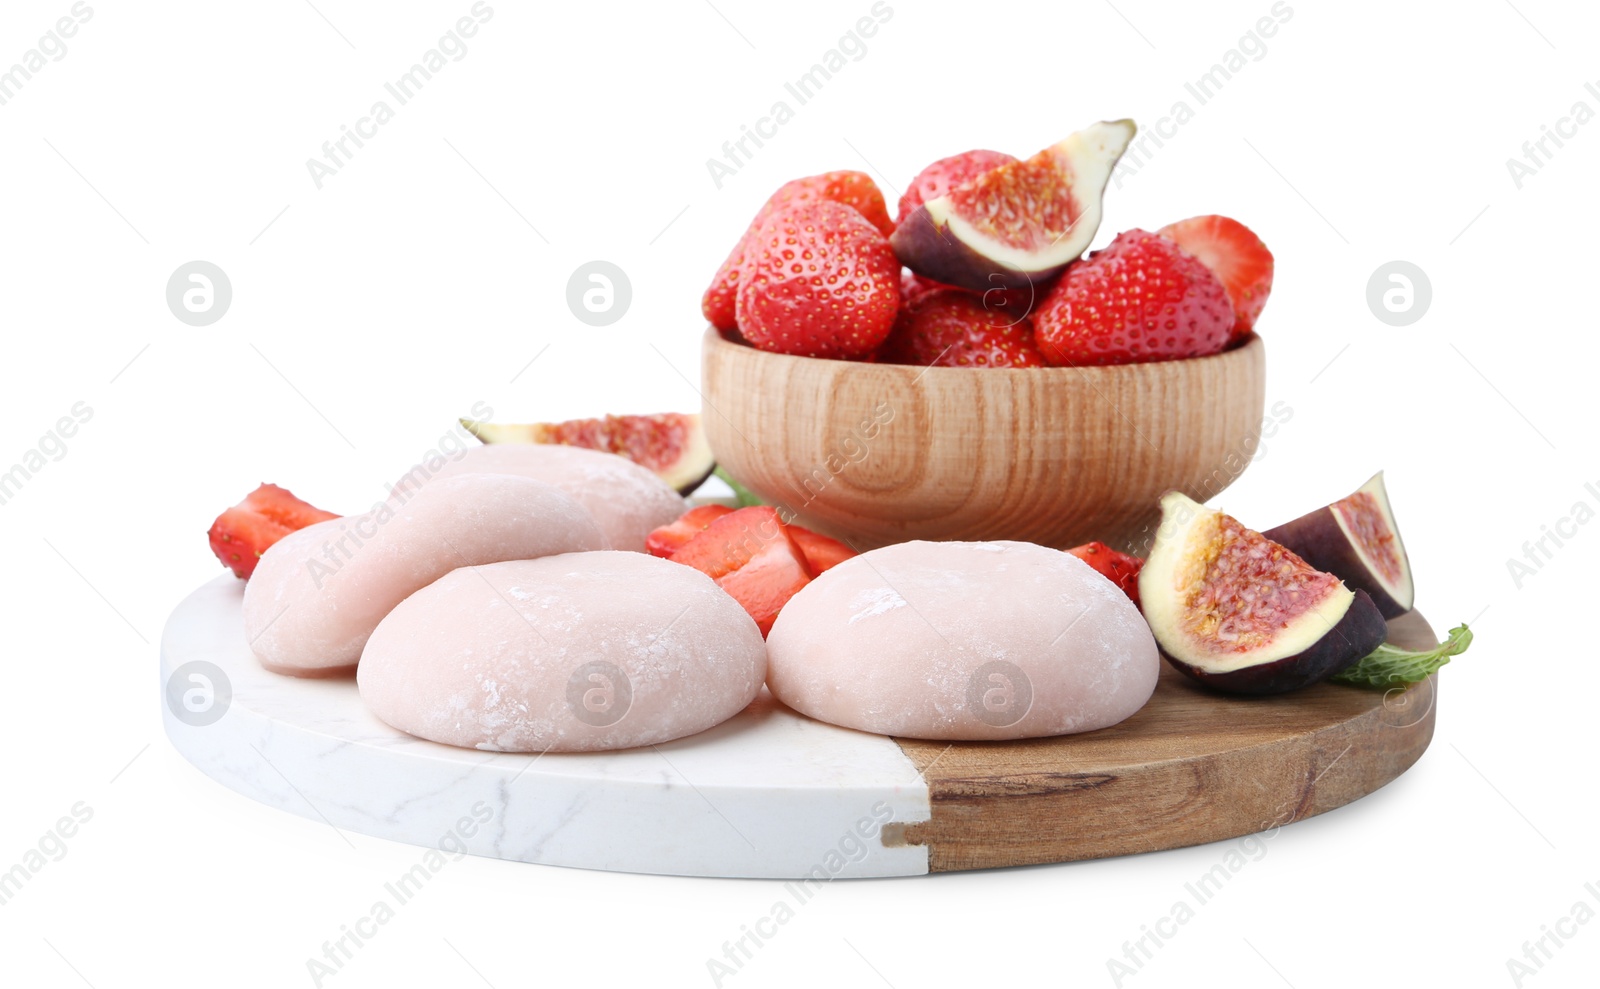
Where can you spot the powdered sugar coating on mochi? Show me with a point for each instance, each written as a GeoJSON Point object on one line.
{"type": "Point", "coordinates": [572, 653]}
{"type": "Point", "coordinates": [626, 499]}
{"type": "Point", "coordinates": [963, 641]}
{"type": "Point", "coordinates": [318, 593]}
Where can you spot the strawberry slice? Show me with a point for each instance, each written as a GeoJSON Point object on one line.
{"type": "Point", "coordinates": [1236, 255]}
{"type": "Point", "coordinates": [752, 556]}
{"type": "Point", "coordinates": [822, 552]}
{"type": "Point", "coordinates": [242, 533]}
{"type": "Point", "coordinates": [670, 538]}
{"type": "Point", "coordinates": [1119, 568]}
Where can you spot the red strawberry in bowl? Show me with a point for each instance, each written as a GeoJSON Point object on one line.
{"type": "Point", "coordinates": [1014, 302]}
{"type": "Point", "coordinates": [1236, 256]}
{"type": "Point", "coordinates": [949, 327]}
{"type": "Point", "coordinates": [1141, 299]}
{"type": "Point", "coordinates": [913, 285]}
{"type": "Point", "coordinates": [853, 189]}
{"type": "Point", "coordinates": [818, 281]}
{"type": "Point", "coordinates": [947, 175]}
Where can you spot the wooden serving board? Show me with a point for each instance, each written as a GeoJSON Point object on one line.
{"type": "Point", "coordinates": [773, 794]}
{"type": "Point", "coordinates": [1191, 766]}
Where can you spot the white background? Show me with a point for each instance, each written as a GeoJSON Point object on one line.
{"type": "Point", "coordinates": [432, 268]}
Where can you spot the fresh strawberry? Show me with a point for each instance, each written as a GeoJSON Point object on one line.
{"type": "Point", "coordinates": [853, 189]}
{"type": "Point", "coordinates": [913, 286]}
{"type": "Point", "coordinates": [946, 174]}
{"type": "Point", "coordinates": [1234, 254]}
{"type": "Point", "coordinates": [752, 556]}
{"type": "Point", "coordinates": [1014, 302]}
{"type": "Point", "coordinates": [670, 538]}
{"type": "Point", "coordinates": [1141, 299]}
{"type": "Point", "coordinates": [818, 281]}
{"type": "Point", "coordinates": [951, 328]}
{"type": "Point", "coordinates": [1119, 568]}
{"type": "Point", "coordinates": [822, 552]}
{"type": "Point", "coordinates": [242, 533]}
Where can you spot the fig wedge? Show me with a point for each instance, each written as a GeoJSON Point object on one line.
{"type": "Point", "coordinates": [1356, 540]}
{"type": "Point", "coordinates": [673, 444]}
{"type": "Point", "coordinates": [1243, 614]}
{"type": "Point", "coordinates": [1019, 224]}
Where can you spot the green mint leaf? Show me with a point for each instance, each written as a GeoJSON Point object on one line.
{"type": "Point", "coordinates": [1390, 666]}
{"type": "Point", "coordinates": [746, 499]}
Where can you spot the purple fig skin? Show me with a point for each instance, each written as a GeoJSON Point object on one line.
{"type": "Point", "coordinates": [1356, 635]}
{"type": "Point", "coordinates": [934, 252]}
{"type": "Point", "coordinates": [1317, 538]}
{"type": "Point", "coordinates": [690, 487]}
{"type": "Point", "coordinates": [1089, 156]}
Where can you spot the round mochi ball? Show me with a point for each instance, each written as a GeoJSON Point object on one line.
{"type": "Point", "coordinates": [627, 500]}
{"type": "Point", "coordinates": [571, 653]}
{"type": "Point", "coordinates": [963, 641]}
{"type": "Point", "coordinates": [317, 593]}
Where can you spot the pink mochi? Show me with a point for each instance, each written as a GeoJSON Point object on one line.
{"type": "Point", "coordinates": [572, 653]}
{"type": "Point", "coordinates": [626, 499]}
{"type": "Point", "coordinates": [317, 594]}
{"type": "Point", "coordinates": [963, 641]}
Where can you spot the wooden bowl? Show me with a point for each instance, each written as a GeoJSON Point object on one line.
{"type": "Point", "coordinates": [882, 453]}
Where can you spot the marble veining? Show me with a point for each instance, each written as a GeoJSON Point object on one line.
{"type": "Point", "coordinates": [767, 794]}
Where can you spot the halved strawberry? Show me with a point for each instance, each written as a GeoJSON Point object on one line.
{"type": "Point", "coordinates": [1236, 255]}
{"type": "Point", "coordinates": [670, 538]}
{"type": "Point", "coordinates": [752, 556]}
{"type": "Point", "coordinates": [1119, 568]}
{"type": "Point", "coordinates": [822, 552]}
{"type": "Point", "coordinates": [242, 533]}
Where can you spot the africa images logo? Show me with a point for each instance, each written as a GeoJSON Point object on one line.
{"type": "Point", "coordinates": [999, 694]}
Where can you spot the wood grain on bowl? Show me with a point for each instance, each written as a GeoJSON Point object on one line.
{"type": "Point", "coordinates": [881, 453]}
